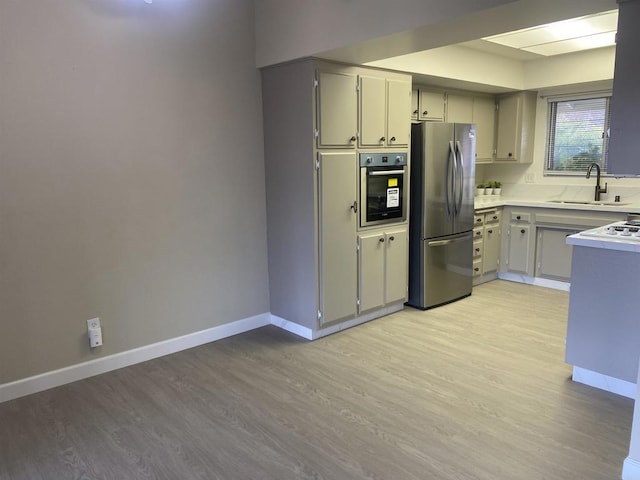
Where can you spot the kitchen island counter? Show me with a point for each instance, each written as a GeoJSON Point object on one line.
{"type": "Point", "coordinates": [603, 331]}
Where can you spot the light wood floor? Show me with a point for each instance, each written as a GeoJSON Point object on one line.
{"type": "Point", "coordinates": [474, 390]}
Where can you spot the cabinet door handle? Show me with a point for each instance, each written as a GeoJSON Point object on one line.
{"type": "Point", "coordinates": [382, 139]}
{"type": "Point", "coordinates": [518, 217]}
{"type": "Point", "coordinates": [522, 231]}
{"type": "Point", "coordinates": [352, 139]}
{"type": "Point", "coordinates": [489, 231]}
{"type": "Point", "coordinates": [392, 238]}
{"type": "Point", "coordinates": [381, 240]}
{"type": "Point", "coordinates": [478, 250]}
{"type": "Point", "coordinates": [354, 207]}
{"type": "Point", "coordinates": [426, 112]}
{"type": "Point", "coordinates": [415, 112]}
{"type": "Point", "coordinates": [476, 269]}
{"type": "Point", "coordinates": [495, 217]}
{"type": "Point", "coordinates": [392, 139]}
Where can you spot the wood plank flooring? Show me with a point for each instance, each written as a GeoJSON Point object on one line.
{"type": "Point", "coordinates": [473, 390]}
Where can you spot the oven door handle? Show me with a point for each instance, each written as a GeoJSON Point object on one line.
{"type": "Point", "coordinates": [386, 172]}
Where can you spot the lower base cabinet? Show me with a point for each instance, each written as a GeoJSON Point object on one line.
{"type": "Point", "coordinates": [382, 267]}
{"type": "Point", "coordinates": [486, 244]}
{"type": "Point", "coordinates": [534, 244]}
{"type": "Point", "coordinates": [553, 255]}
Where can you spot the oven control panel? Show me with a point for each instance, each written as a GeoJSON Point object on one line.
{"type": "Point", "coordinates": [383, 159]}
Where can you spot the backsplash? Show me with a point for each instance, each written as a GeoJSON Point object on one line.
{"type": "Point", "coordinates": [536, 191]}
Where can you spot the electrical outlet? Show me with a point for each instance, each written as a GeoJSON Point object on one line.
{"type": "Point", "coordinates": [93, 323]}
{"type": "Point", "coordinates": [95, 332]}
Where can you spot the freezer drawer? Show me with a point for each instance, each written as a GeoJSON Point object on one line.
{"type": "Point", "coordinates": [445, 273]}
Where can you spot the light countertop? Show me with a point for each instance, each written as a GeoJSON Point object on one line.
{"type": "Point", "coordinates": [489, 201]}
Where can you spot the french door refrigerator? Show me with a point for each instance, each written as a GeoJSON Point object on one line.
{"type": "Point", "coordinates": [441, 213]}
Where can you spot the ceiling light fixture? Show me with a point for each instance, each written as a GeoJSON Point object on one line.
{"type": "Point", "coordinates": [592, 31]}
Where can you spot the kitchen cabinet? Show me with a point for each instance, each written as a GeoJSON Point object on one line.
{"type": "Point", "coordinates": [337, 109]}
{"type": "Point", "coordinates": [553, 255]}
{"type": "Point", "coordinates": [382, 267]}
{"type": "Point", "coordinates": [519, 241]}
{"type": "Point", "coordinates": [427, 105]}
{"type": "Point", "coordinates": [486, 244]}
{"type": "Point", "coordinates": [383, 112]}
{"type": "Point", "coordinates": [459, 108]}
{"type": "Point", "coordinates": [338, 269]}
{"type": "Point", "coordinates": [310, 110]}
{"type": "Point", "coordinates": [484, 116]}
{"type": "Point", "coordinates": [516, 127]}
{"type": "Point", "coordinates": [534, 246]}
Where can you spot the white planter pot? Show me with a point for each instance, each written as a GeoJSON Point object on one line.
{"type": "Point", "coordinates": [497, 191]}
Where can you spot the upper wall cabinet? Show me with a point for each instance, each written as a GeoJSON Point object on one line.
{"type": "Point", "coordinates": [337, 109]}
{"type": "Point", "coordinates": [484, 116]}
{"type": "Point", "coordinates": [459, 108]}
{"type": "Point", "coordinates": [516, 127]}
{"type": "Point", "coordinates": [427, 105]}
{"type": "Point", "coordinates": [384, 113]}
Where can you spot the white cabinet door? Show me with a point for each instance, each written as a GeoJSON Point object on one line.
{"type": "Point", "coordinates": [516, 127]}
{"type": "Point", "coordinates": [459, 108]}
{"type": "Point", "coordinates": [338, 256]}
{"type": "Point", "coordinates": [491, 252]}
{"type": "Point", "coordinates": [397, 264]}
{"type": "Point", "coordinates": [484, 116]}
{"type": "Point", "coordinates": [372, 111]}
{"type": "Point", "coordinates": [398, 113]}
{"type": "Point", "coordinates": [337, 109]}
{"type": "Point", "coordinates": [371, 270]}
{"type": "Point", "coordinates": [519, 248]}
{"type": "Point", "coordinates": [553, 255]}
{"type": "Point", "coordinates": [431, 106]}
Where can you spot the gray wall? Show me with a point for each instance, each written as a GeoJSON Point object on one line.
{"type": "Point", "coordinates": [131, 175]}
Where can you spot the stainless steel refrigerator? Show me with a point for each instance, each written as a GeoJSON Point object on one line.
{"type": "Point", "coordinates": [441, 213]}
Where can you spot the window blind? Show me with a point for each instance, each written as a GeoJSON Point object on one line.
{"type": "Point", "coordinates": [578, 134]}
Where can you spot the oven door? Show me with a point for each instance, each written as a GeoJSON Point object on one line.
{"type": "Point", "coordinates": [382, 195]}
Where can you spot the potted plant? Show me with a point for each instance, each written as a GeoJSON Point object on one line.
{"type": "Point", "coordinates": [488, 188]}
{"type": "Point", "coordinates": [497, 188]}
{"type": "Point", "coordinates": [480, 189]}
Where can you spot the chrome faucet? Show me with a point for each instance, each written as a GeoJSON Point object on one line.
{"type": "Point", "coordinates": [599, 190]}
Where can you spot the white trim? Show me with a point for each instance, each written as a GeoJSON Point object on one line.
{"type": "Point", "coordinates": [55, 378]}
{"type": "Point", "coordinates": [537, 281]}
{"type": "Point", "coordinates": [604, 382]}
{"type": "Point", "coordinates": [630, 469]}
{"type": "Point", "coordinates": [311, 334]}
{"type": "Point", "coordinates": [292, 327]}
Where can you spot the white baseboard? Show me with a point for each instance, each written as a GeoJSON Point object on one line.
{"type": "Point", "coordinates": [539, 282]}
{"type": "Point", "coordinates": [311, 334]}
{"type": "Point", "coordinates": [604, 382]}
{"type": "Point", "coordinates": [56, 378]}
{"type": "Point", "coordinates": [292, 327]}
{"type": "Point", "coordinates": [630, 469]}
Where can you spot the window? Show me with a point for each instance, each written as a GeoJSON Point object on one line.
{"type": "Point", "coordinates": [578, 134]}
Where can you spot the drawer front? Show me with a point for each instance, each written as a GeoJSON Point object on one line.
{"type": "Point", "coordinates": [478, 220]}
{"type": "Point", "coordinates": [477, 267]}
{"type": "Point", "coordinates": [492, 217]}
{"type": "Point", "coordinates": [477, 233]}
{"type": "Point", "coordinates": [478, 247]}
{"type": "Point", "coordinates": [520, 217]}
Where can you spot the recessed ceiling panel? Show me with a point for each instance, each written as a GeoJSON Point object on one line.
{"type": "Point", "coordinates": [558, 37]}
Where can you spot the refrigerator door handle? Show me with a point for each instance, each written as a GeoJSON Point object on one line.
{"type": "Point", "coordinates": [460, 178]}
{"type": "Point", "coordinates": [449, 181]}
{"type": "Point", "coordinates": [448, 241]}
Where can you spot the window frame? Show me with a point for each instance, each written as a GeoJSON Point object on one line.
{"type": "Point", "coordinates": [550, 121]}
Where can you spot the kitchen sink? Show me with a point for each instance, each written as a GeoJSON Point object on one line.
{"type": "Point", "coordinates": [572, 202]}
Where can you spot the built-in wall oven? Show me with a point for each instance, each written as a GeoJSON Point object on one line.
{"type": "Point", "coordinates": [382, 188]}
